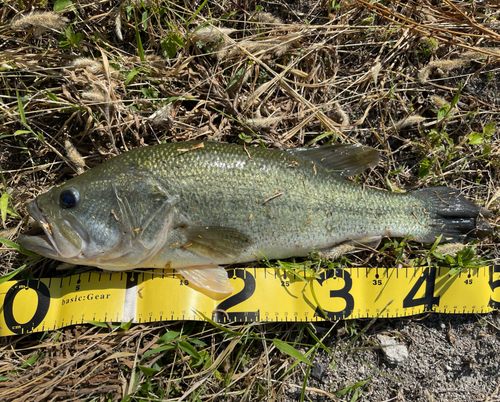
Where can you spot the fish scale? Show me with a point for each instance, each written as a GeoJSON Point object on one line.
{"type": "Point", "coordinates": [296, 217]}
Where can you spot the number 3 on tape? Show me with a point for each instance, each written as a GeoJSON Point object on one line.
{"type": "Point", "coordinates": [342, 293]}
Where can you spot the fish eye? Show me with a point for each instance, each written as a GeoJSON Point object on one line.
{"type": "Point", "coordinates": [69, 198]}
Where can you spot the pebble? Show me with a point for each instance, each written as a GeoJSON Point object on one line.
{"type": "Point", "coordinates": [317, 371]}
{"type": "Point", "coordinates": [394, 352]}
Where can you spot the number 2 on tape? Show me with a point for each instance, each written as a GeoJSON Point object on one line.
{"type": "Point", "coordinates": [247, 292]}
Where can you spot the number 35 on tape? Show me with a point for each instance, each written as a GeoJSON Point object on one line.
{"type": "Point", "coordinates": [261, 294]}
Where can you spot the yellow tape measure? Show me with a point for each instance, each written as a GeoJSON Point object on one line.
{"type": "Point", "coordinates": [261, 294]}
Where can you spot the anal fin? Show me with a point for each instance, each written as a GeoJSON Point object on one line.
{"type": "Point", "coordinates": [211, 280]}
{"type": "Point", "coordinates": [352, 246]}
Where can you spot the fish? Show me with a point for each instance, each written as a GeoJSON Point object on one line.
{"type": "Point", "coordinates": [197, 206]}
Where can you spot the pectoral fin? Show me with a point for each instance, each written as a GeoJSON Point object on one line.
{"type": "Point", "coordinates": [216, 242]}
{"type": "Point", "coordinates": [211, 280]}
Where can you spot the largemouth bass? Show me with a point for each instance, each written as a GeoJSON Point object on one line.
{"type": "Point", "coordinates": [198, 205]}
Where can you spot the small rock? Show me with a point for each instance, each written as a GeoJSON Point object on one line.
{"type": "Point", "coordinates": [394, 352]}
{"type": "Point", "coordinates": [318, 371]}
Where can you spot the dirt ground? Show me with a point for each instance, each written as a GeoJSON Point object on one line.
{"type": "Point", "coordinates": [418, 81]}
{"type": "Point", "coordinates": [450, 358]}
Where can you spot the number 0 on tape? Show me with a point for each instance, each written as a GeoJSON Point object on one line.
{"type": "Point", "coordinates": [261, 294]}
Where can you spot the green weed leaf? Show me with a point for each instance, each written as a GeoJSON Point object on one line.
{"type": "Point", "coordinates": [98, 324]}
{"type": "Point", "coordinates": [454, 101]}
{"type": "Point", "coordinates": [290, 351]}
{"type": "Point", "coordinates": [149, 371]}
{"type": "Point", "coordinates": [475, 138]}
{"type": "Point", "coordinates": [489, 129]}
{"type": "Point", "coordinates": [197, 342]}
{"type": "Point", "coordinates": [218, 326]}
{"type": "Point", "coordinates": [60, 5]}
{"type": "Point", "coordinates": [4, 203]}
{"type": "Point", "coordinates": [443, 112]}
{"type": "Point", "coordinates": [138, 40]}
{"type": "Point", "coordinates": [436, 243]}
{"type": "Point", "coordinates": [177, 39]}
{"type": "Point", "coordinates": [131, 75]}
{"type": "Point", "coordinates": [189, 349]}
{"type": "Point", "coordinates": [351, 388]}
{"type": "Point", "coordinates": [20, 106]}
{"type": "Point", "coordinates": [31, 360]}
{"type": "Point", "coordinates": [157, 350]}
{"type": "Point", "coordinates": [169, 48]}
{"type": "Point", "coordinates": [168, 337]}
{"type": "Point", "coordinates": [17, 247]}
{"type": "Point", "coordinates": [425, 168]}
{"type": "Point", "coordinates": [126, 325]}
{"type": "Point", "coordinates": [197, 12]}
{"type": "Point", "coordinates": [10, 275]}
{"type": "Point", "coordinates": [52, 96]}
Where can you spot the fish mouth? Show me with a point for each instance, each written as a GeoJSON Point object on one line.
{"type": "Point", "coordinates": [52, 238]}
{"type": "Point", "coordinates": [37, 241]}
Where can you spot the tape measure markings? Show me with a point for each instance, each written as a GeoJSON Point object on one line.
{"type": "Point", "coordinates": [37, 305]}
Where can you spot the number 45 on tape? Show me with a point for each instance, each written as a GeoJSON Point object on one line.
{"type": "Point", "coordinates": [261, 294]}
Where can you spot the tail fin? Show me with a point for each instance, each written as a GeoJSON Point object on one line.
{"type": "Point", "coordinates": [455, 217]}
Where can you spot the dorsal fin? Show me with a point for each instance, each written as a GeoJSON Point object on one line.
{"type": "Point", "coordinates": [343, 159]}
